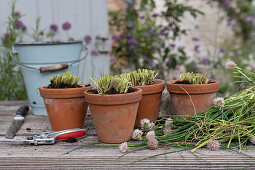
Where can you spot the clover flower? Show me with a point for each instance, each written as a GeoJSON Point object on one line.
{"type": "Point", "coordinates": [123, 147]}
{"type": "Point", "coordinates": [219, 101]}
{"type": "Point", "coordinates": [230, 64]}
{"type": "Point", "coordinates": [150, 135]}
{"type": "Point", "coordinates": [167, 130]}
{"type": "Point", "coordinates": [137, 134]}
{"type": "Point", "coordinates": [152, 144]}
{"type": "Point", "coordinates": [213, 145]}
{"type": "Point", "coordinates": [66, 26]}
{"type": "Point", "coordinates": [252, 140]}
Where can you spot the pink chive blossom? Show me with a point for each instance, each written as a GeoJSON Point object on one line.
{"type": "Point", "coordinates": [167, 130]}
{"type": "Point", "coordinates": [6, 37]}
{"type": "Point", "coordinates": [219, 101]}
{"type": "Point", "coordinates": [137, 134]}
{"type": "Point", "coordinates": [213, 145]}
{"type": "Point", "coordinates": [146, 125]}
{"type": "Point", "coordinates": [66, 26]}
{"type": "Point", "coordinates": [123, 147]}
{"type": "Point", "coordinates": [230, 64]}
{"type": "Point", "coordinates": [152, 144]}
{"type": "Point", "coordinates": [252, 140]}
{"type": "Point", "coordinates": [19, 24]}
{"type": "Point", "coordinates": [53, 27]}
{"type": "Point", "coordinates": [150, 135]}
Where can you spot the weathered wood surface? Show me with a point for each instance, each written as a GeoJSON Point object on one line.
{"type": "Point", "coordinates": [17, 156]}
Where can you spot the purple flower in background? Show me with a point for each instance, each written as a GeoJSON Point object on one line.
{"type": "Point", "coordinates": [87, 39]}
{"type": "Point", "coordinates": [163, 12]}
{"type": "Point", "coordinates": [17, 14]}
{"type": "Point", "coordinates": [181, 48]}
{"type": "Point", "coordinates": [206, 62]}
{"type": "Point", "coordinates": [150, 32]}
{"type": "Point", "coordinates": [19, 24]}
{"type": "Point", "coordinates": [229, 23]}
{"type": "Point", "coordinates": [249, 19]}
{"type": "Point", "coordinates": [222, 50]}
{"type": "Point", "coordinates": [212, 76]}
{"type": "Point", "coordinates": [196, 48]}
{"type": "Point", "coordinates": [53, 27]}
{"type": "Point", "coordinates": [195, 39]}
{"type": "Point", "coordinates": [131, 47]}
{"type": "Point", "coordinates": [115, 37]}
{"type": "Point", "coordinates": [6, 37]}
{"type": "Point", "coordinates": [132, 42]}
{"type": "Point", "coordinates": [94, 53]}
{"type": "Point", "coordinates": [234, 41]}
{"type": "Point", "coordinates": [128, 35]}
{"type": "Point", "coordinates": [178, 68]}
{"type": "Point", "coordinates": [66, 26]}
{"type": "Point", "coordinates": [155, 15]}
{"type": "Point", "coordinates": [145, 58]}
{"type": "Point", "coordinates": [196, 26]}
{"type": "Point", "coordinates": [172, 45]}
{"type": "Point", "coordinates": [226, 3]}
{"type": "Point", "coordinates": [168, 63]}
{"type": "Point", "coordinates": [150, 63]}
{"type": "Point", "coordinates": [235, 52]}
{"type": "Point", "coordinates": [142, 17]}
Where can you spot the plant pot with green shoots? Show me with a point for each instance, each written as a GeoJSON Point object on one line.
{"type": "Point", "coordinates": [152, 91]}
{"type": "Point", "coordinates": [113, 105]}
{"type": "Point", "coordinates": [191, 94]}
{"type": "Point", "coordinates": [64, 101]}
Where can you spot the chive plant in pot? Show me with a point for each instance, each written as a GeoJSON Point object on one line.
{"type": "Point", "coordinates": [151, 96]}
{"type": "Point", "coordinates": [113, 105]}
{"type": "Point", "coordinates": [191, 94]}
{"type": "Point", "coordinates": [64, 101]}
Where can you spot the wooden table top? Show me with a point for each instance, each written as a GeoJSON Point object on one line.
{"type": "Point", "coordinates": [16, 156]}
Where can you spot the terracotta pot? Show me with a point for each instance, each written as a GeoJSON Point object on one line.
{"type": "Point", "coordinates": [66, 108]}
{"type": "Point", "coordinates": [149, 105]}
{"type": "Point", "coordinates": [187, 99]}
{"type": "Point", "coordinates": [114, 115]}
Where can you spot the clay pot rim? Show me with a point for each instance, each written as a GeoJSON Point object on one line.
{"type": "Point", "coordinates": [157, 87]}
{"type": "Point", "coordinates": [64, 92]}
{"type": "Point", "coordinates": [193, 88]}
{"type": "Point", "coordinates": [113, 99]}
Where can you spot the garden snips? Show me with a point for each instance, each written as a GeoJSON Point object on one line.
{"type": "Point", "coordinates": [51, 138]}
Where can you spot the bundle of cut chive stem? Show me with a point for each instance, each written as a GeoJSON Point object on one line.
{"type": "Point", "coordinates": [231, 121]}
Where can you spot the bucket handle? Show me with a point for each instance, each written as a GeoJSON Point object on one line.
{"type": "Point", "coordinates": [52, 67]}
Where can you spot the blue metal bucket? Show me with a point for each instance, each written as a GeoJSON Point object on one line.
{"type": "Point", "coordinates": [35, 56]}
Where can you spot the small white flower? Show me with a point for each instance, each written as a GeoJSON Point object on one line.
{"type": "Point", "coordinates": [169, 122]}
{"type": "Point", "coordinates": [150, 135]}
{"type": "Point", "coordinates": [219, 101]}
{"type": "Point", "coordinates": [252, 140]}
{"type": "Point", "coordinates": [137, 134]}
{"type": "Point", "coordinates": [167, 130]}
{"type": "Point", "coordinates": [213, 145]}
{"type": "Point", "coordinates": [123, 147]}
{"type": "Point", "coordinates": [230, 64]}
{"type": "Point", "coordinates": [152, 144]}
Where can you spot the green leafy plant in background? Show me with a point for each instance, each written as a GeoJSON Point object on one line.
{"type": "Point", "coordinates": [11, 80]}
{"type": "Point", "coordinates": [194, 78]}
{"type": "Point", "coordinates": [67, 80]}
{"type": "Point", "coordinates": [146, 39]}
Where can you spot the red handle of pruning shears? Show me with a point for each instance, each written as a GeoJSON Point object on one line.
{"type": "Point", "coordinates": [75, 134]}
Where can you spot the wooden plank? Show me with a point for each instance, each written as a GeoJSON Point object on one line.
{"type": "Point", "coordinates": [17, 156]}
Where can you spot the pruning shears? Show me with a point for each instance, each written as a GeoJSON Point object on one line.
{"type": "Point", "coordinates": [51, 138]}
